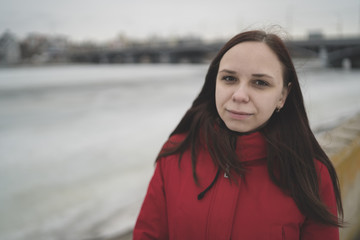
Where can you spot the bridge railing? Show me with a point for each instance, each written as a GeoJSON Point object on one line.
{"type": "Point", "coordinates": [334, 50]}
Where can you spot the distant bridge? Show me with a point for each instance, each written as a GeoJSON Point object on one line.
{"type": "Point", "coordinates": [195, 52]}
{"type": "Point", "coordinates": [333, 52]}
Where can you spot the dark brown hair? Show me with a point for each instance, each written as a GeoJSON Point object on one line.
{"type": "Point", "coordinates": [291, 144]}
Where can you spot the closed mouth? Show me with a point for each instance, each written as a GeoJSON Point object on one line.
{"type": "Point", "coordinates": [240, 116]}
{"type": "Point", "coordinates": [239, 113]}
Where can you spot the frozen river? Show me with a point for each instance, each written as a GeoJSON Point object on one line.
{"type": "Point", "coordinates": [78, 143]}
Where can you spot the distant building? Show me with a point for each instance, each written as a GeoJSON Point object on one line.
{"type": "Point", "coordinates": [57, 49]}
{"type": "Point", "coordinates": [9, 49]}
{"type": "Point", "coordinates": [315, 35]}
{"type": "Point", "coordinates": [39, 48]}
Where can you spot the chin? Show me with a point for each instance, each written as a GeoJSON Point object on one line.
{"type": "Point", "coordinates": [243, 129]}
{"type": "Point", "coordinates": [238, 129]}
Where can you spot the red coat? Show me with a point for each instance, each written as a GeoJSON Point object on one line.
{"type": "Point", "coordinates": [253, 209]}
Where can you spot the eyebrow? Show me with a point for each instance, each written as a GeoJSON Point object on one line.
{"type": "Point", "coordinates": [254, 75]}
{"type": "Point", "coordinates": [228, 71]}
{"type": "Point", "coordinates": [262, 75]}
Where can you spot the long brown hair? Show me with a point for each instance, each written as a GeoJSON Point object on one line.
{"type": "Point", "coordinates": [291, 144]}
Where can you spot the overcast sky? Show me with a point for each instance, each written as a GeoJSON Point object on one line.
{"type": "Point", "coordinates": [101, 20]}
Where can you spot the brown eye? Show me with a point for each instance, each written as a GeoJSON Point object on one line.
{"type": "Point", "coordinates": [228, 78]}
{"type": "Point", "coordinates": [261, 83]}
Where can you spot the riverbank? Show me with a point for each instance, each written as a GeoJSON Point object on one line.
{"type": "Point", "coordinates": [342, 144]}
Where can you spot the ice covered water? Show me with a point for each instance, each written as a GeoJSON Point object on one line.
{"type": "Point", "coordinates": [78, 143]}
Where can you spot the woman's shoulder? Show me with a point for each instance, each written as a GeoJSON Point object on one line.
{"type": "Point", "coordinates": [170, 145]}
{"type": "Point", "coordinates": [174, 140]}
{"type": "Point", "coordinates": [320, 167]}
{"type": "Point", "coordinates": [167, 155]}
{"type": "Point", "coordinates": [323, 172]}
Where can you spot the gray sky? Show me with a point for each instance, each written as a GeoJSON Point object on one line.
{"type": "Point", "coordinates": [101, 20]}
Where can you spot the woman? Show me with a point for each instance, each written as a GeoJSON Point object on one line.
{"type": "Point", "coordinates": [243, 162]}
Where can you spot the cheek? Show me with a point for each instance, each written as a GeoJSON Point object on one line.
{"type": "Point", "coordinates": [217, 97]}
{"type": "Point", "coordinates": [269, 104]}
{"type": "Point", "coordinates": [220, 97]}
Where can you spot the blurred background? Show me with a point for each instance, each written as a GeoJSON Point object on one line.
{"type": "Point", "coordinates": [90, 90]}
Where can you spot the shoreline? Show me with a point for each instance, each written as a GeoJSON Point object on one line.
{"type": "Point", "coordinates": [342, 145]}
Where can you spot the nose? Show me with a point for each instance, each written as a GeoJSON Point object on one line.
{"type": "Point", "coordinates": [241, 94]}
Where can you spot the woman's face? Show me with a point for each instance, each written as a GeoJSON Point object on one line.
{"type": "Point", "coordinates": [249, 86]}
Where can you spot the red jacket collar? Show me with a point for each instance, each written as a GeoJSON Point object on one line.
{"type": "Point", "coordinates": [251, 147]}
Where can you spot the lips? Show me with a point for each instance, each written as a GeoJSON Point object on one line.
{"type": "Point", "coordinates": [239, 115]}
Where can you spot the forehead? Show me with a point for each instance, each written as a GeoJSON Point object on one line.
{"type": "Point", "coordinates": [252, 57]}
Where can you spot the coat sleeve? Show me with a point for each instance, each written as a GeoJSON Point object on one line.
{"type": "Point", "coordinates": [152, 220]}
{"type": "Point", "coordinates": [312, 230]}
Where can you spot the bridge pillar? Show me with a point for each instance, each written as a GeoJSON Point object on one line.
{"type": "Point", "coordinates": [164, 57]}
{"type": "Point", "coordinates": [346, 63]}
{"type": "Point", "coordinates": [323, 56]}
{"type": "Point", "coordinates": [144, 58]}
{"type": "Point", "coordinates": [129, 58]}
